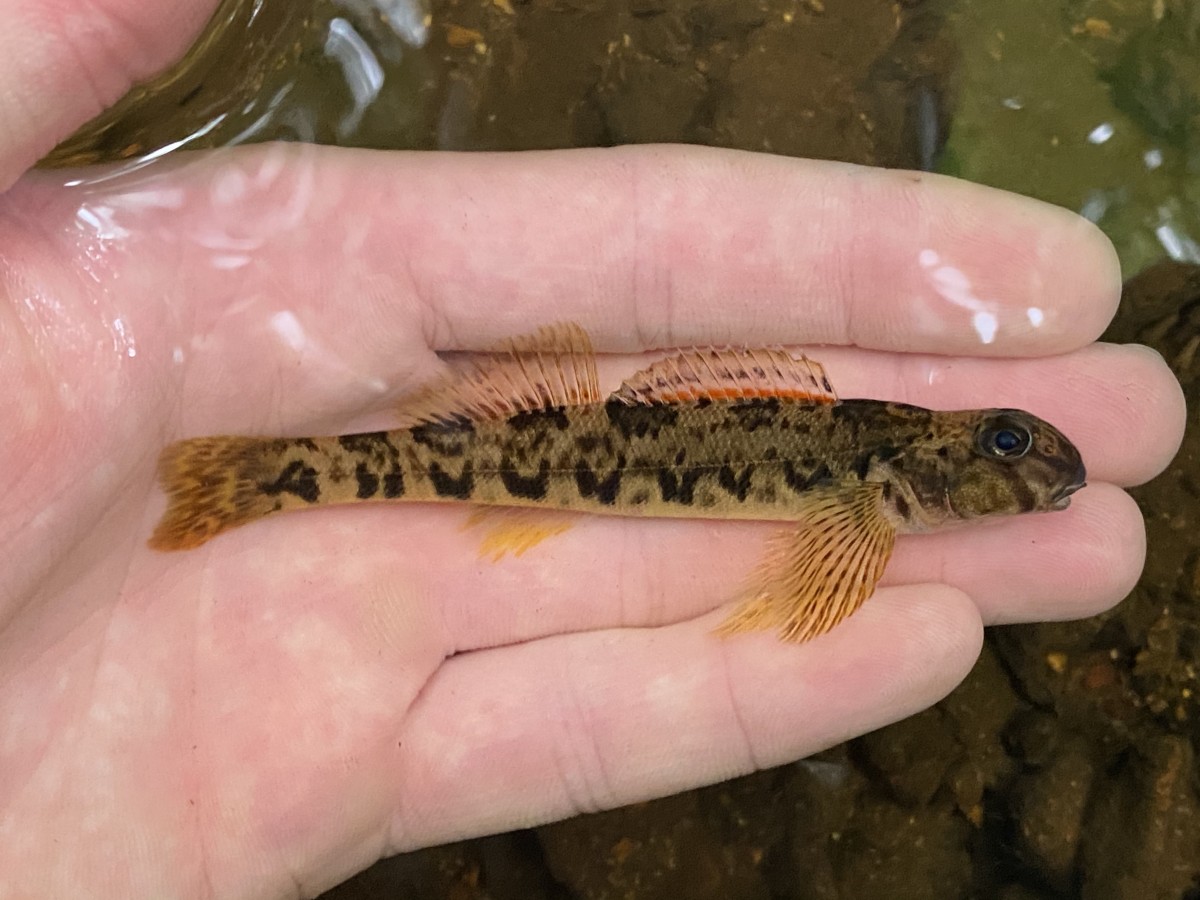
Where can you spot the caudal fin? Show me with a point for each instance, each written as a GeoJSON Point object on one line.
{"type": "Point", "coordinates": [211, 486]}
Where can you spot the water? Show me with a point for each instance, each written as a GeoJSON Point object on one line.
{"type": "Point", "coordinates": [1089, 105]}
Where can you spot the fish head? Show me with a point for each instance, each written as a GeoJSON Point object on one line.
{"type": "Point", "coordinates": [979, 463]}
{"type": "Point", "coordinates": [1012, 462]}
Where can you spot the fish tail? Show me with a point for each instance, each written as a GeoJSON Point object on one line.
{"type": "Point", "coordinates": [212, 485]}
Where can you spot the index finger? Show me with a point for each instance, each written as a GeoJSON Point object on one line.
{"type": "Point", "coordinates": [645, 247]}
{"type": "Point", "coordinates": [656, 247]}
{"type": "Point", "coordinates": [330, 274]}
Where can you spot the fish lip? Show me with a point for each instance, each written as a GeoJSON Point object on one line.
{"type": "Point", "coordinates": [1063, 498]}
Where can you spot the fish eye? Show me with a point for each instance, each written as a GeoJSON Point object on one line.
{"type": "Point", "coordinates": [1006, 441]}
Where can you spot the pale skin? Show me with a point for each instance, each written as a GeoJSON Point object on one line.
{"type": "Point", "coordinates": [265, 715]}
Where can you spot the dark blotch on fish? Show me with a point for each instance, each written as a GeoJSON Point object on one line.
{"type": "Point", "coordinates": [539, 418]}
{"type": "Point", "coordinates": [801, 480]}
{"type": "Point", "coordinates": [446, 485]}
{"type": "Point", "coordinates": [640, 421]}
{"type": "Point", "coordinates": [590, 485]}
{"type": "Point", "coordinates": [446, 440]}
{"type": "Point", "coordinates": [527, 487]}
{"type": "Point", "coordinates": [755, 413]}
{"type": "Point", "coordinates": [393, 484]}
{"type": "Point", "coordinates": [366, 443]}
{"type": "Point", "coordinates": [679, 487]}
{"type": "Point", "coordinates": [737, 485]}
{"type": "Point", "coordinates": [368, 482]}
{"type": "Point", "coordinates": [591, 443]}
{"type": "Point", "coordinates": [296, 478]}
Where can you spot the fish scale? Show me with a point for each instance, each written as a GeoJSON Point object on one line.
{"type": "Point", "coordinates": [602, 458]}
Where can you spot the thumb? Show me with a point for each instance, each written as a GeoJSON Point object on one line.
{"type": "Point", "coordinates": [64, 61]}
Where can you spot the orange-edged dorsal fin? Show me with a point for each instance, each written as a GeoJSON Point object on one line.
{"type": "Point", "coordinates": [816, 575]}
{"type": "Point", "coordinates": [728, 374]}
{"type": "Point", "coordinates": [553, 366]}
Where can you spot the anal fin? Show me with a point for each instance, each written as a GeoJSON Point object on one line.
{"type": "Point", "coordinates": [515, 529]}
{"type": "Point", "coordinates": [816, 575]}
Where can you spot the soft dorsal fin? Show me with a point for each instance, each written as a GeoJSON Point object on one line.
{"type": "Point", "coordinates": [553, 366]}
{"type": "Point", "coordinates": [728, 374]}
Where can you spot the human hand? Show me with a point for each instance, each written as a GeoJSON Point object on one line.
{"type": "Point", "coordinates": [62, 63]}
{"type": "Point", "coordinates": [266, 714]}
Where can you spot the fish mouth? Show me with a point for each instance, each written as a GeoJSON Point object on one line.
{"type": "Point", "coordinates": [1062, 499]}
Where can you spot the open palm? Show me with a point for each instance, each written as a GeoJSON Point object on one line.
{"type": "Point", "coordinates": [268, 713]}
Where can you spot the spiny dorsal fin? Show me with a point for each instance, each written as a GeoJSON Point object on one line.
{"type": "Point", "coordinates": [815, 576]}
{"type": "Point", "coordinates": [554, 366]}
{"type": "Point", "coordinates": [728, 374]}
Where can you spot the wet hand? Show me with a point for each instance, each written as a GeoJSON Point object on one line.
{"type": "Point", "coordinates": [270, 712]}
{"type": "Point", "coordinates": [63, 63]}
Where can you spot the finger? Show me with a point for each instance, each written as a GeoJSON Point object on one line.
{"type": "Point", "coordinates": [609, 572]}
{"type": "Point", "coordinates": [62, 63]}
{"type": "Point", "coordinates": [330, 273]}
{"type": "Point", "coordinates": [675, 246]}
{"type": "Point", "coordinates": [1039, 568]}
{"type": "Point", "coordinates": [1120, 404]}
{"type": "Point", "coordinates": [511, 737]}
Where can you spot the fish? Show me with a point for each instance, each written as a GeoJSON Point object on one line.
{"type": "Point", "coordinates": [525, 437]}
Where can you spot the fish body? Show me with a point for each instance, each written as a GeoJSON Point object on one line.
{"type": "Point", "coordinates": [754, 458]}
{"type": "Point", "coordinates": [707, 434]}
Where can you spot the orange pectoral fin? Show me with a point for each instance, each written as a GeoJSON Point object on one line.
{"type": "Point", "coordinates": [512, 529]}
{"type": "Point", "coordinates": [816, 576]}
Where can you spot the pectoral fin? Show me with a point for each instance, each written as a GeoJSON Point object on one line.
{"type": "Point", "coordinates": [512, 529]}
{"type": "Point", "coordinates": [816, 575]}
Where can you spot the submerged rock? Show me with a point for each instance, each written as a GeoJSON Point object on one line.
{"type": "Point", "coordinates": [1142, 840]}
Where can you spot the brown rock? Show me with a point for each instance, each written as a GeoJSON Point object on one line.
{"type": "Point", "coordinates": [822, 793]}
{"type": "Point", "coordinates": [901, 853]}
{"type": "Point", "coordinates": [1142, 836]}
{"type": "Point", "coordinates": [913, 755]}
{"type": "Point", "coordinates": [649, 851]}
{"type": "Point", "coordinates": [1050, 804]}
{"type": "Point", "coordinates": [978, 712]}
